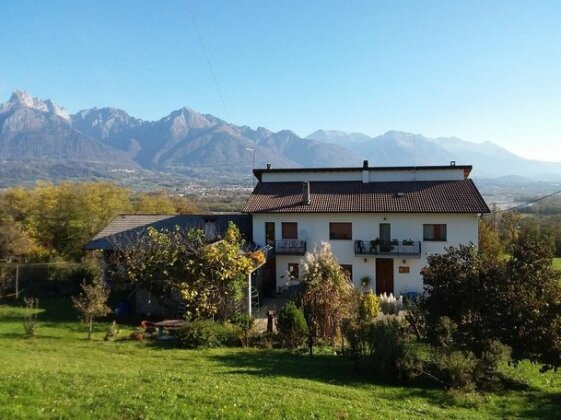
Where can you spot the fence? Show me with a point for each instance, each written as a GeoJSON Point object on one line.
{"type": "Point", "coordinates": [30, 278]}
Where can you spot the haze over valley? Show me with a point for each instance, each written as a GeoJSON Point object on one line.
{"type": "Point", "coordinates": [39, 139]}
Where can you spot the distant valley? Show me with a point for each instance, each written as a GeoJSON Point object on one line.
{"type": "Point", "coordinates": [40, 140]}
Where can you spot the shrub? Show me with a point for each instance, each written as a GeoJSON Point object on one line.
{"type": "Point", "coordinates": [380, 344]}
{"type": "Point", "coordinates": [30, 316]}
{"type": "Point", "coordinates": [516, 301]}
{"type": "Point", "coordinates": [244, 322]}
{"type": "Point", "coordinates": [442, 335]}
{"type": "Point", "coordinates": [356, 335]}
{"type": "Point", "coordinates": [205, 333]}
{"type": "Point", "coordinates": [327, 294]}
{"type": "Point", "coordinates": [292, 325]}
{"type": "Point", "coordinates": [368, 306]}
{"type": "Point", "coordinates": [390, 305]}
{"type": "Point", "coordinates": [112, 332]}
{"type": "Point", "coordinates": [387, 343]}
{"type": "Point", "coordinates": [365, 282]}
{"type": "Point", "coordinates": [457, 369]}
{"type": "Point", "coordinates": [493, 356]}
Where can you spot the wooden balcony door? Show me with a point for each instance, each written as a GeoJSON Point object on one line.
{"type": "Point", "coordinates": [384, 275]}
{"type": "Point", "coordinates": [385, 237]}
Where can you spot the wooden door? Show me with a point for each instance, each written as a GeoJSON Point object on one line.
{"type": "Point", "coordinates": [384, 275]}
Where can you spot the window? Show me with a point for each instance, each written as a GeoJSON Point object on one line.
{"type": "Point", "coordinates": [348, 268]}
{"type": "Point", "coordinates": [289, 230]}
{"type": "Point", "coordinates": [294, 270]}
{"type": "Point", "coordinates": [340, 231]}
{"type": "Point", "coordinates": [270, 233]}
{"type": "Point", "coordinates": [434, 232]}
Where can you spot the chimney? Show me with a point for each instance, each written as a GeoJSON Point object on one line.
{"type": "Point", "coordinates": [365, 172]}
{"type": "Point", "coordinates": [452, 163]}
{"type": "Point", "coordinates": [306, 193]}
{"type": "Point", "coordinates": [269, 166]}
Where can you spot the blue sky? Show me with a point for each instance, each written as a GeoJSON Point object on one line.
{"type": "Point", "coordinates": [477, 70]}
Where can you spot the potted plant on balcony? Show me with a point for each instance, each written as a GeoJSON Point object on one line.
{"type": "Point", "coordinates": [373, 246]}
{"type": "Point", "coordinates": [409, 246]}
{"type": "Point", "coordinates": [395, 242]}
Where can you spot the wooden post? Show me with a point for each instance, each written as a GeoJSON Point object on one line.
{"type": "Point", "coordinates": [249, 294]}
{"type": "Point", "coordinates": [17, 281]}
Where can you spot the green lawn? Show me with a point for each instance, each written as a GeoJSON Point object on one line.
{"type": "Point", "coordinates": [557, 265]}
{"type": "Point", "coordinates": [58, 374]}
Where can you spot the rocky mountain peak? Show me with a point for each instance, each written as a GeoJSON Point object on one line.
{"type": "Point", "coordinates": [22, 99]}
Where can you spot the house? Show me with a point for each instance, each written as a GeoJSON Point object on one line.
{"type": "Point", "coordinates": [127, 229]}
{"type": "Point", "coordinates": [381, 222]}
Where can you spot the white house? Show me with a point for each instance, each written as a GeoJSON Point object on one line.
{"type": "Point", "coordinates": [382, 222]}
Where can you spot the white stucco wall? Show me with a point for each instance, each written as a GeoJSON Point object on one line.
{"type": "Point", "coordinates": [461, 229]}
{"type": "Point", "coordinates": [312, 176]}
{"type": "Point", "coordinates": [377, 175]}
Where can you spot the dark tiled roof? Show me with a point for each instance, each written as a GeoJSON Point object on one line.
{"type": "Point", "coordinates": [374, 197]}
{"type": "Point", "coordinates": [127, 227]}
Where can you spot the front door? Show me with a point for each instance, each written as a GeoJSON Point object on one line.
{"type": "Point", "coordinates": [384, 275]}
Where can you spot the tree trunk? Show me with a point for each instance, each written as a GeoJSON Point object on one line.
{"type": "Point", "coordinates": [90, 327]}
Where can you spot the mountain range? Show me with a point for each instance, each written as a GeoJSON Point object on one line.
{"type": "Point", "coordinates": [397, 148]}
{"type": "Point", "coordinates": [38, 137]}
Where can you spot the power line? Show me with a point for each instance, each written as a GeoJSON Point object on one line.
{"type": "Point", "coordinates": [529, 202]}
{"type": "Point", "coordinates": [207, 58]}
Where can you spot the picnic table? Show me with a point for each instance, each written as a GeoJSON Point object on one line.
{"type": "Point", "coordinates": [169, 325]}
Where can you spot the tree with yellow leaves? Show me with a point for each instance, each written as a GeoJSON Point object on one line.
{"type": "Point", "coordinates": [211, 278]}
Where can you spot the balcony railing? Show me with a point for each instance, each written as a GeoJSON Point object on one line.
{"type": "Point", "coordinates": [394, 248]}
{"type": "Point", "coordinates": [290, 247]}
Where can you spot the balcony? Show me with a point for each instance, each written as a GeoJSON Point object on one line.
{"type": "Point", "coordinates": [391, 249]}
{"type": "Point", "coordinates": [290, 247]}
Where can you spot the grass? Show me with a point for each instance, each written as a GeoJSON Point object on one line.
{"type": "Point", "coordinates": [59, 374]}
{"type": "Point", "coordinates": [557, 265]}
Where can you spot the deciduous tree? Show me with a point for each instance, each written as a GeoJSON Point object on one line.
{"type": "Point", "coordinates": [515, 301]}
{"type": "Point", "coordinates": [212, 278]}
{"type": "Point", "coordinates": [92, 303]}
